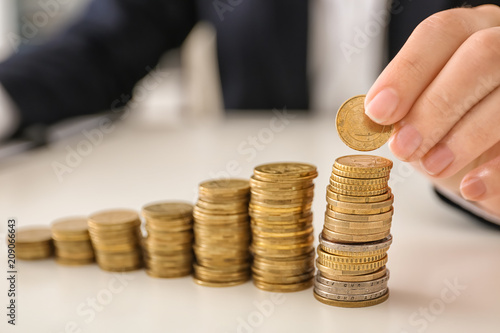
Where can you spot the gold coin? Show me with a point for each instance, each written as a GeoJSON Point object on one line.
{"type": "Point", "coordinates": [168, 209]}
{"type": "Point", "coordinates": [358, 211]}
{"type": "Point", "coordinates": [285, 171]}
{"type": "Point", "coordinates": [358, 267]}
{"type": "Point", "coordinates": [328, 271]}
{"type": "Point", "coordinates": [283, 186]}
{"type": "Point", "coordinates": [348, 260]}
{"type": "Point", "coordinates": [218, 284]}
{"type": "Point", "coordinates": [330, 221]}
{"type": "Point", "coordinates": [360, 181]}
{"type": "Point", "coordinates": [357, 188]}
{"type": "Point", "coordinates": [361, 206]}
{"type": "Point", "coordinates": [361, 218]}
{"type": "Point", "coordinates": [31, 235]}
{"type": "Point", "coordinates": [339, 237]}
{"type": "Point", "coordinates": [270, 194]}
{"type": "Point", "coordinates": [352, 304]}
{"type": "Point", "coordinates": [357, 175]}
{"type": "Point", "coordinates": [225, 185]}
{"type": "Point", "coordinates": [363, 193]}
{"type": "Point", "coordinates": [283, 288]}
{"type": "Point", "coordinates": [74, 262]}
{"type": "Point", "coordinates": [114, 218]}
{"type": "Point", "coordinates": [357, 130]}
{"type": "Point", "coordinates": [280, 279]}
{"type": "Point", "coordinates": [330, 194]}
{"type": "Point", "coordinates": [367, 231]}
{"type": "Point", "coordinates": [71, 226]}
{"type": "Point", "coordinates": [363, 164]}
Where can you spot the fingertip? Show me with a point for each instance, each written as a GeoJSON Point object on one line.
{"type": "Point", "coordinates": [382, 106]}
{"type": "Point", "coordinates": [472, 187]}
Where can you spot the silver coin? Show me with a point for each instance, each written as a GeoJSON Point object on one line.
{"type": "Point", "coordinates": [350, 298]}
{"type": "Point", "coordinates": [364, 247]}
{"type": "Point", "coordinates": [350, 288]}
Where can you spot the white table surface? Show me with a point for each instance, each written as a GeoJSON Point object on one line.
{"type": "Point", "coordinates": [434, 246]}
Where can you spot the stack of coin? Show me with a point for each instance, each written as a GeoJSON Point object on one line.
{"type": "Point", "coordinates": [282, 230]}
{"type": "Point", "coordinates": [33, 243]}
{"type": "Point", "coordinates": [356, 234]}
{"type": "Point", "coordinates": [168, 251]}
{"type": "Point", "coordinates": [72, 241]}
{"type": "Point", "coordinates": [222, 233]}
{"type": "Point", "coordinates": [116, 238]}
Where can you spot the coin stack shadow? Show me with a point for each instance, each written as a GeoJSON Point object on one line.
{"type": "Point", "coordinates": [168, 251]}
{"type": "Point", "coordinates": [222, 233]}
{"type": "Point", "coordinates": [116, 238]}
{"type": "Point", "coordinates": [33, 243]}
{"type": "Point", "coordinates": [356, 236]}
{"type": "Point", "coordinates": [72, 241]}
{"type": "Point", "coordinates": [282, 230]}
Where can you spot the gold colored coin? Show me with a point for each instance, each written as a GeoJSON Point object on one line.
{"type": "Point", "coordinates": [352, 304]}
{"type": "Point", "coordinates": [357, 130]}
{"type": "Point", "coordinates": [360, 181]}
{"type": "Point", "coordinates": [285, 171]}
{"type": "Point", "coordinates": [325, 256]}
{"type": "Point", "coordinates": [357, 175]}
{"type": "Point", "coordinates": [358, 267]}
{"type": "Point", "coordinates": [283, 288]}
{"type": "Point", "coordinates": [72, 226]}
{"type": "Point", "coordinates": [363, 193]}
{"type": "Point", "coordinates": [225, 186]}
{"type": "Point", "coordinates": [338, 237]}
{"type": "Point", "coordinates": [168, 209]}
{"type": "Point", "coordinates": [360, 218]}
{"type": "Point", "coordinates": [367, 231]}
{"type": "Point", "coordinates": [363, 164]}
{"type": "Point", "coordinates": [331, 194]}
{"type": "Point", "coordinates": [357, 188]}
{"type": "Point", "coordinates": [117, 217]}
{"type": "Point", "coordinates": [31, 235]}
{"type": "Point", "coordinates": [218, 284]}
{"type": "Point", "coordinates": [330, 221]}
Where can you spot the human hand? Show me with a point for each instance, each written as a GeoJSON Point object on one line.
{"type": "Point", "coordinates": [442, 92]}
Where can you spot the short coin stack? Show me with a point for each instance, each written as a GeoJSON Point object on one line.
{"type": "Point", "coordinates": [356, 234]}
{"type": "Point", "coordinates": [168, 251]}
{"type": "Point", "coordinates": [34, 243]}
{"type": "Point", "coordinates": [116, 238]}
{"type": "Point", "coordinates": [72, 241]}
{"type": "Point", "coordinates": [282, 230]}
{"type": "Point", "coordinates": [222, 233]}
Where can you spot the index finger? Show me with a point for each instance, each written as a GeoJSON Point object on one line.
{"type": "Point", "coordinates": [420, 60]}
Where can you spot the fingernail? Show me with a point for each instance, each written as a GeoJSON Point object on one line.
{"type": "Point", "coordinates": [437, 159]}
{"type": "Point", "coordinates": [405, 142]}
{"type": "Point", "coordinates": [472, 188]}
{"type": "Point", "coordinates": [382, 106]}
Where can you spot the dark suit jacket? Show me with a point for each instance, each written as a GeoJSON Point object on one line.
{"type": "Point", "coordinates": [262, 51]}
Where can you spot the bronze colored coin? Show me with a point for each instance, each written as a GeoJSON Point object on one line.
{"type": "Point", "coordinates": [284, 288]}
{"type": "Point", "coordinates": [357, 130]}
{"type": "Point", "coordinates": [277, 201]}
{"type": "Point", "coordinates": [71, 226]}
{"type": "Point", "coordinates": [352, 304]}
{"type": "Point", "coordinates": [345, 238]}
{"type": "Point", "coordinates": [71, 238]}
{"type": "Point", "coordinates": [270, 194]}
{"type": "Point", "coordinates": [218, 284]}
{"type": "Point", "coordinates": [285, 171]}
{"type": "Point", "coordinates": [168, 209]}
{"type": "Point", "coordinates": [74, 255]}
{"type": "Point", "coordinates": [31, 235]}
{"type": "Point", "coordinates": [360, 181]}
{"type": "Point", "coordinates": [363, 164]}
{"type": "Point", "coordinates": [116, 217]}
{"type": "Point", "coordinates": [279, 253]}
{"type": "Point", "coordinates": [232, 207]}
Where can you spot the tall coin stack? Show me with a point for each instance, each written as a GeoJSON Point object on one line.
{"type": "Point", "coordinates": [72, 241]}
{"type": "Point", "coordinates": [168, 251]}
{"type": "Point", "coordinates": [282, 230]}
{"type": "Point", "coordinates": [116, 238]}
{"type": "Point", "coordinates": [34, 243]}
{"type": "Point", "coordinates": [356, 236]}
{"type": "Point", "coordinates": [222, 233]}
